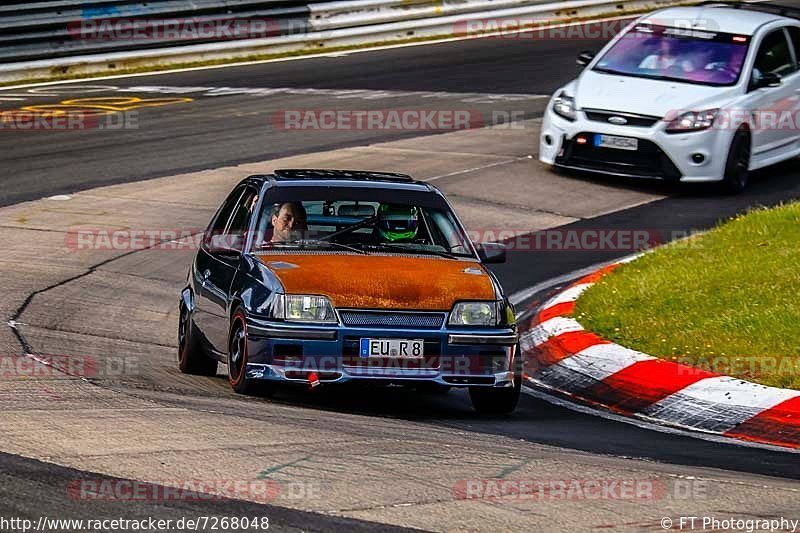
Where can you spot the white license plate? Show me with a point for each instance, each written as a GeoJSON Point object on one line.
{"type": "Point", "coordinates": [392, 348]}
{"type": "Point", "coordinates": [612, 141]}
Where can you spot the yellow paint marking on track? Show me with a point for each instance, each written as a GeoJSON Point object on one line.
{"type": "Point", "coordinates": [103, 105]}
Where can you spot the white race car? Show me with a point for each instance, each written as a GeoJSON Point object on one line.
{"type": "Point", "coordinates": [692, 94]}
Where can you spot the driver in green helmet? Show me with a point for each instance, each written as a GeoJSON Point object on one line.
{"type": "Point", "coordinates": [398, 223]}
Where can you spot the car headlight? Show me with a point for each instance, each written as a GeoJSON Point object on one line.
{"type": "Point", "coordinates": [304, 308]}
{"type": "Point", "coordinates": [477, 314]}
{"type": "Point", "coordinates": [692, 121]}
{"type": "Point", "coordinates": [564, 106]}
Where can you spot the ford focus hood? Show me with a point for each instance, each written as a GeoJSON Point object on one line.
{"type": "Point", "coordinates": [382, 282]}
{"type": "Point", "coordinates": [595, 90]}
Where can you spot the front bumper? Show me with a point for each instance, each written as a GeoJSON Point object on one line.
{"type": "Point", "coordinates": [661, 155]}
{"type": "Point", "coordinates": [452, 357]}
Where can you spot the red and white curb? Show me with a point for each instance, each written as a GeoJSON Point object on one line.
{"type": "Point", "coordinates": [563, 357]}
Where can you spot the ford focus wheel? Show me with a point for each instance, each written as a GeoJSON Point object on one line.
{"type": "Point", "coordinates": [737, 172]}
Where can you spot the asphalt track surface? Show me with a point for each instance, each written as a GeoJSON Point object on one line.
{"type": "Point", "coordinates": [213, 131]}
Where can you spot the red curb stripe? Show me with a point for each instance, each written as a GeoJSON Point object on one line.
{"type": "Point", "coordinates": [640, 385]}
{"type": "Point", "coordinates": [562, 309]}
{"type": "Point", "coordinates": [779, 425]}
{"type": "Point", "coordinates": [565, 345]}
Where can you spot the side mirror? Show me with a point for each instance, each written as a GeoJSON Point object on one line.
{"type": "Point", "coordinates": [492, 252]}
{"type": "Point", "coordinates": [769, 79]}
{"type": "Point", "coordinates": [585, 57]}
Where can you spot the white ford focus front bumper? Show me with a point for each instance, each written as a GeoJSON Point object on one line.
{"type": "Point", "coordinates": [698, 156]}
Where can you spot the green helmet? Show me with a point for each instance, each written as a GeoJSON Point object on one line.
{"type": "Point", "coordinates": [397, 222]}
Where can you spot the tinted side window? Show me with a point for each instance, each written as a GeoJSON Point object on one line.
{"type": "Point", "coordinates": [773, 55]}
{"type": "Point", "coordinates": [214, 238]}
{"type": "Point", "coordinates": [224, 213]}
{"type": "Point", "coordinates": [237, 225]}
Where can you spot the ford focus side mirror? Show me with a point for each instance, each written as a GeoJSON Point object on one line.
{"type": "Point", "coordinates": [769, 79]}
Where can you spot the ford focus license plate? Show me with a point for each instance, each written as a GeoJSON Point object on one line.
{"type": "Point", "coordinates": [392, 348]}
{"type": "Point", "coordinates": [612, 141]}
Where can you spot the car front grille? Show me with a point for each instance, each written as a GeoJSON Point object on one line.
{"type": "Point", "coordinates": [648, 161]}
{"type": "Point", "coordinates": [392, 319]}
{"type": "Point", "coordinates": [632, 119]}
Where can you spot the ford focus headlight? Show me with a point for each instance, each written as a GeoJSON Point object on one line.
{"type": "Point", "coordinates": [475, 314]}
{"type": "Point", "coordinates": [564, 106]}
{"type": "Point", "coordinates": [304, 308]}
{"type": "Point", "coordinates": [692, 121]}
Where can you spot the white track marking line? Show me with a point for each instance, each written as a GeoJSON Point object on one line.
{"type": "Point", "coordinates": [524, 294]}
{"type": "Point", "coordinates": [569, 295]}
{"type": "Point", "coordinates": [481, 167]}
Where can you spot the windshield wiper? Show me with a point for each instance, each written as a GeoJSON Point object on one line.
{"type": "Point", "coordinates": [608, 71]}
{"type": "Point", "coordinates": [312, 242]}
{"type": "Point", "coordinates": [407, 248]}
{"type": "Point", "coordinates": [657, 77]}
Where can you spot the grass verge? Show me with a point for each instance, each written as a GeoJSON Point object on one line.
{"type": "Point", "coordinates": [726, 300]}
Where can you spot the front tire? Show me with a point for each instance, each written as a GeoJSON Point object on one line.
{"type": "Point", "coordinates": [192, 357]}
{"type": "Point", "coordinates": [237, 360]}
{"type": "Point", "coordinates": [737, 174]}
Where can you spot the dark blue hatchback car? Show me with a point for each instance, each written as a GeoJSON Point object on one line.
{"type": "Point", "coordinates": [327, 276]}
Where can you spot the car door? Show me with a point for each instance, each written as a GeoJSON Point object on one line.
{"type": "Point", "coordinates": [772, 106]}
{"type": "Point", "coordinates": [218, 263]}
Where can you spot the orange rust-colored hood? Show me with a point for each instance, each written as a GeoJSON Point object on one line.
{"type": "Point", "coordinates": [382, 282]}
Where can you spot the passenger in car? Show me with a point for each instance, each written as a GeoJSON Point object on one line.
{"type": "Point", "coordinates": [666, 57]}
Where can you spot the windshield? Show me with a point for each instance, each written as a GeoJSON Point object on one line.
{"type": "Point", "coordinates": [675, 54]}
{"type": "Point", "coordinates": [359, 226]}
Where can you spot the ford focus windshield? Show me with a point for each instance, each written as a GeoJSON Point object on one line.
{"type": "Point", "coordinates": [676, 54]}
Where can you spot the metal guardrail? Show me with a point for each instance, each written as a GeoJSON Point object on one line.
{"type": "Point", "coordinates": [39, 30]}
{"type": "Point", "coordinates": [353, 13]}
{"type": "Point", "coordinates": [43, 39]}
